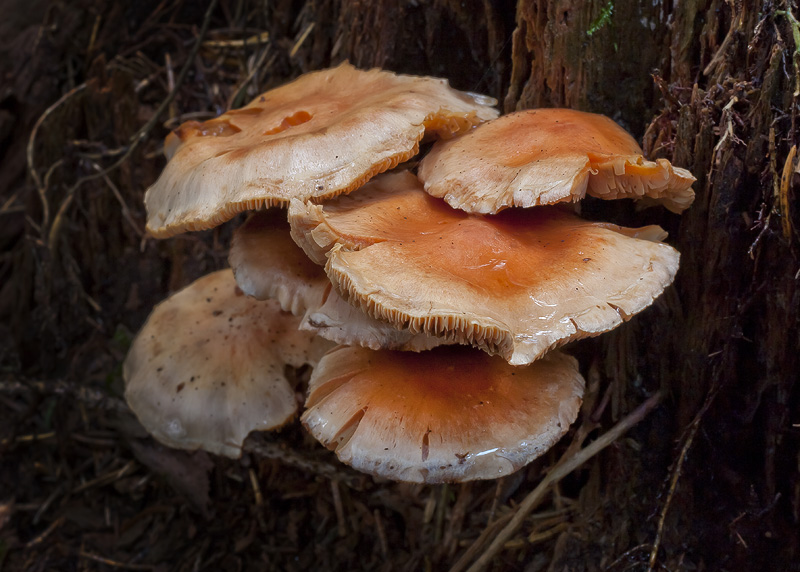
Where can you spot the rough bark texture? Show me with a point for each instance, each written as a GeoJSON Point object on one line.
{"type": "Point", "coordinates": [713, 476]}
{"type": "Point", "coordinates": [726, 343]}
{"type": "Point", "coordinates": [462, 41]}
{"type": "Point", "coordinates": [595, 56]}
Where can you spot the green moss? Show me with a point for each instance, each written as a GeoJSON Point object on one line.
{"type": "Point", "coordinates": [602, 19]}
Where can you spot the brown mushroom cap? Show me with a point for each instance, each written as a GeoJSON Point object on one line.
{"type": "Point", "coordinates": [448, 414]}
{"type": "Point", "coordinates": [545, 156]}
{"type": "Point", "coordinates": [516, 284]}
{"type": "Point", "coordinates": [321, 135]}
{"type": "Point", "coordinates": [207, 368]}
{"type": "Point", "coordinates": [268, 264]}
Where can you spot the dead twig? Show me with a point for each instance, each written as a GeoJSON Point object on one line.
{"type": "Point", "coordinates": [341, 526]}
{"type": "Point", "coordinates": [292, 458]}
{"type": "Point", "coordinates": [87, 395]}
{"type": "Point", "coordinates": [722, 51]}
{"type": "Point", "coordinates": [784, 201]}
{"type": "Point", "coordinates": [258, 66]}
{"type": "Point", "coordinates": [142, 133]}
{"type": "Point", "coordinates": [40, 187]}
{"type": "Point", "coordinates": [260, 38]}
{"type": "Point", "coordinates": [301, 39]}
{"type": "Point", "coordinates": [126, 212]}
{"type": "Point", "coordinates": [676, 473]}
{"type": "Point", "coordinates": [489, 532]}
{"type": "Point", "coordinates": [97, 399]}
{"type": "Point", "coordinates": [384, 544]}
{"type": "Point", "coordinates": [565, 466]}
{"type": "Point", "coordinates": [47, 532]}
{"type": "Point", "coordinates": [145, 129]}
{"type": "Point", "coordinates": [114, 563]}
{"type": "Point", "coordinates": [107, 478]}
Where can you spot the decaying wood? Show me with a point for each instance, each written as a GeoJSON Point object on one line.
{"type": "Point", "coordinates": [709, 480]}
{"type": "Point", "coordinates": [725, 89]}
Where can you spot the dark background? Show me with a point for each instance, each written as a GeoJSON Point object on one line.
{"type": "Point", "coordinates": [712, 475]}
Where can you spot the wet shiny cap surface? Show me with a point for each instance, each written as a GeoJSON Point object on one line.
{"type": "Point", "coordinates": [450, 414]}
{"type": "Point", "coordinates": [514, 284]}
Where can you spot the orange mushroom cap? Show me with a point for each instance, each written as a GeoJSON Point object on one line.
{"type": "Point", "coordinates": [268, 264]}
{"type": "Point", "coordinates": [545, 156]}
{"type": "Point", "coordinates": [449, 414]}
{"type": "Point", "coordinates": [321, 135]}
{"type": "Point", "coordinates": [207, 368]}
{"type": "Point", "coordinates": [516, 284]}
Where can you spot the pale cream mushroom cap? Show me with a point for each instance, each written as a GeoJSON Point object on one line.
{"type": "Point", "coordinates": [324, 134]}
{"type": "Point", "coordinates": [450, 414]}
{"type": "Point", "coordinates": [268, 264]}
{"type": "Point", "coordinates": [515, 284]}
{"type": "Point", "coordinates": [545, 156]}
{"type": "Point", "coordinates": [207, 368]}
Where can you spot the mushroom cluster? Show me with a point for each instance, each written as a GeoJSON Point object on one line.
{"type": "Point", "coordinates": [445, 292]}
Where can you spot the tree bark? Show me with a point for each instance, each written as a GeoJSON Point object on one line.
{"type": "Point", "coordinates": [712, 86]}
